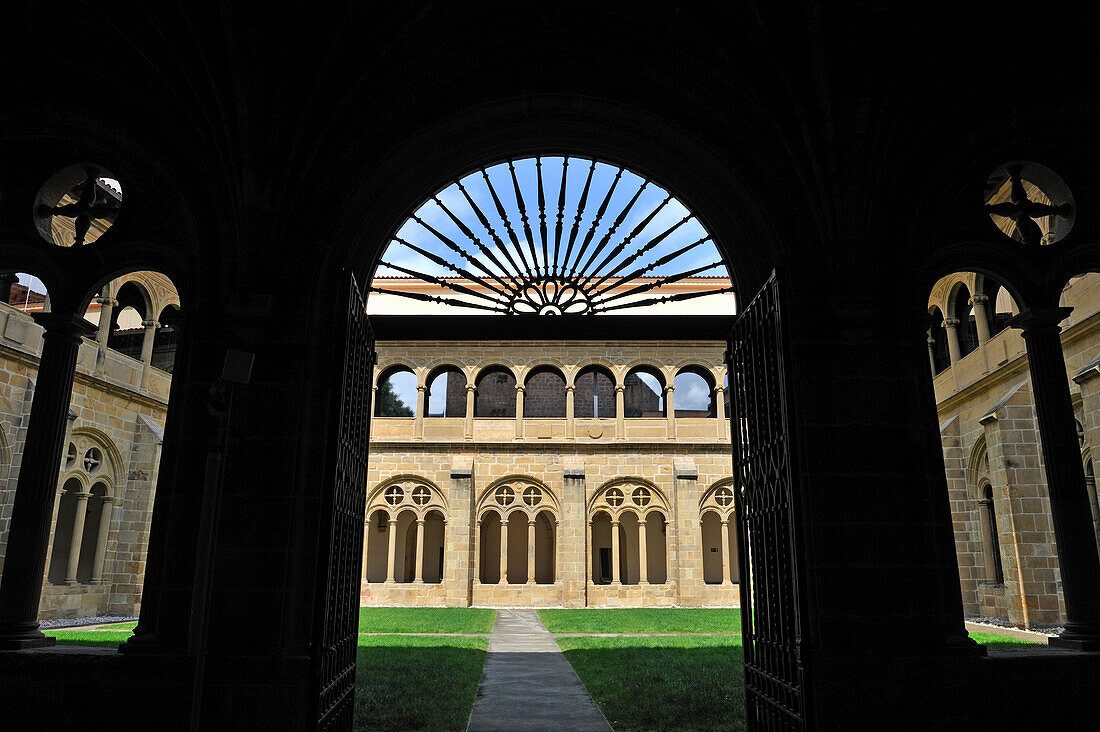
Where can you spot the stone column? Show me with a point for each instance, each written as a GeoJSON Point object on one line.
{"type": "Point", "coordinates": [373, 402]}
{"type": "Point", "coordinates": [519, 411]}
{"type": "Point", "coordinates": [470, 389]}
{"type": "Point", "coordinates": [720, 411]}
{"type": "Point", "coordinates": [418, 571]}
{"type": "Point", "coordinates": [392, 555]}
{"type": "Point", "coordinates": [725, 549]}
{"type": "Point", "coordinates": [77, 537]}
{"type": "Point", "coordinates": [981, 317]}
{"type": "Point", "coordinates": [53, 526]}
{"type": "Point", "coordinates": [670, 412]}
{"type": "Point", "coordinates": [418, 425]}
{"type": "Point", "coordinates": [477, 553]}
{"type": "Point", "coordinates": [570, 411]}
{"type": "Point", "coordinates": [615, 552]}
{"type": "Point", "coordinates": [101, 541]}
{"type": "Point", "coordinates": [106, 312]}
{"type": "Point", "coordinates": [931, 353]}
{"type": "Point", "coordinates": [554, 575]}
{"type": "Point", "coordinates": [503, 551]}
{"type": "Point", "coordinates": [1072, 517]}
{"type": "Point", "coordinates": [620, 412]}
{"type": "Point", "coordinates": [29, 527]}
{"type": "Point", "coordinates": [643, 552]}
{"type": "Point", "coordinates": [530, 551]}
{"type": "Point", "coordinates": [151, 327]}
{"type": "Point", "coordinates": [951, 325]}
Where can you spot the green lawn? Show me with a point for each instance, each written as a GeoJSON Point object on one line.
{"type": "Point", "coordinates": [996, 640]}
{"type": "Point", "coordinates": [687, 682]}
{"type": "Point", "coordinates": [643, 620]}
{"type": "Point", "coordinates": [415, 682]}
{"type": "Point", "coordinates": [95, 638]}
{"type": "Point", "coordinates": [425, 620]}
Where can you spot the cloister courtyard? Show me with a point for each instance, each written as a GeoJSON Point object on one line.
{"type": "Point", "coordinates": [645, 668]}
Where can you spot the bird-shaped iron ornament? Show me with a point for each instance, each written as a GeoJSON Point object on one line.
{"type": "Point", "coordinates": [1022, 211]}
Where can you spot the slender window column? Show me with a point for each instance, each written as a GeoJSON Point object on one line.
{"type": "Point", "coordinates": [981, 319]}
{"type": "Point", "coordinates": [53, 525]}
{"type": "Point", "coordinates": [477, 552]}
{"type": "Point", "coordinates": [951, 325]}
{"type": "Point", "coordinates": [615, 552]}
{"type": "Point", "coordinates": [418, 571]}
{"type": "Point", "coordinates": [720, 411]}
{"type": "Point", "coordinates": [503, 551]}
{"type": "Point", "coordinates": [530, 551]}
{"type": "Point", "coordinates": [670, 412]}
{"type": "Point", "coordinates": [29, 527]}
{"type": "Point", "coordinates": [725, 551]}
{"type": "Point", "coordinates": [557, 551]}
{"type": "Point", "coordinates": [620, 412]}
{"type": "Point", "coordinates": [101, 541]}
{"type": "Point", "coordinates": [570, 411]}
{"type": "Point", "coordinates": [77, 537]}
{"type": "Point", "coordinates": [106, 312]}
{"type": "Point", "coordinates": [643, 552]}
{"type": "Point", "coordinates": [1072, 517]}
{"type": "Point", "coordinates": [931, 353]}
{"type": "Point", "coordinates": [519, 411]}
{"type": "Point", "coordinates": [470, 389]}
{"type": "Point", "coordinates": [373, 401]}
{"type": "Point", "coordinates": [421, 390]}
{"type": "Point", "coordinates": [151, 327]}
{"type": "Point", "coordinates": [392, 555]}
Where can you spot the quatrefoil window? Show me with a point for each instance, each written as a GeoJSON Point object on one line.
{"type": "Point", "coordinates": [421, 495]}
{"type": "Point", "coordinates": [505, 495]}
{"type": "Point", "coordinates": [1029, 203]}
{"type": "Point", "coordinates": [723, 496]}
{"type": "Point", "coordinates": [532, 496]}
{"type": "Point", "coordinates": [640, 496]}
{"type": "Point", "coordinates": [394, 495]}
{"type": "Point", "coordinates": [70, 456]}
{"type": "Point", "coordinates": [93, 458]}
{"type": "Point", "coordinates": [77, 205]}
{"type": "Point", "coordinates": [614, 497]}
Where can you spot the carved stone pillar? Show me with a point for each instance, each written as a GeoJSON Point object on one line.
{"type": "Point", "coordinates": [981, 317]}
{"type": "Point", "coordinates": [418, 426]}
{"type": "Point", "coordinates": [531, 551]}
{"type": "Point", "coordinates": [720, 411]}
{"type": "Point", "coordinates": [503, 551]}
{"type": "Point", "coordinates": [391, 556]}
{"type": "Point", "coordinates": [418, 571]}
{"type": "Point", "coordinates": [477, 553]}
{"type": "Point", "coordinates": [620, 410]}
{"type": "Point", "coordinates": [670, 412]}
{"type": "Point", "coordinates": [931, 353]}
{"type": "Point", "coordinates": [615, 552]}
{"type": "Point", "coordinates": [643, 552]}
{"type": "Point", "coordinates": [519, 411]}
{"type": "Point", "coordinates": [469, 433]}
{"type": "Point", "coordinates": [106, 313]}
{"type": "Point", "coordinates": [1078, 561]}
{"type": "Point", "coordinates": [951, 325]}
{"type": "Point", "coordinates": [29, 527]}
{"type": "Point", "coordinates": [151, 327]}
{"type": "Point", "coordinates": [570, 410]}
{"type": "Point", "coordinates": [725, 549]}
{"type": "Point", "coordinates": [101, 541]}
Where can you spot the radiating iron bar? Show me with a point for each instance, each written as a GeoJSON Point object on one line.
{"type": "Point", "coordinates": [657, 300]}
{"type": "Point", "coordinates": [461, 252]}
{"type": "Point", "coordinates": [621, 247]}
{"type": "Point", "coordinates": [577, 219]}
{"type": "Point", "coordinates": [439, 281]}
{"type": "Point", "coordinates": [661, 282]}
{"type": "Point", "coordinates": [523, 218]}
{"type": "Point", "coordinates": [641, 271]}
{"type": "Point", "coordinates": [435, 298]}
{"type": "Point", "coordinates": [627, 261]}
{"type": "Point", "coordinates": [504, 217]}
{"type": "Point", "coordinates": [614, 226]}
{"type": "Point", "coordinates": [596, 221]}
{"type": "Point", "coordinates": [472, 237]}
{"type": "Point", "coordinates": [488, 227]}
{"type": "Point", "coordinates": [561, 216]}
{"type": "Point", "coordinates": [542, 219]}
{"type": "Point", "coordinates": [444, 263]}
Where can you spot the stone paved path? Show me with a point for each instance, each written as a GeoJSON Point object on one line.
{"type": "Point", "coordinates": [528, 685]}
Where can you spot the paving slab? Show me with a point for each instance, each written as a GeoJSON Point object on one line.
{"type": "Point", "coordinates": [527, 683]}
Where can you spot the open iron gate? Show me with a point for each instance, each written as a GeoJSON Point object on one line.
{"type": "Point", "coordinates": [767, 517]}
{"type": "Point", "coordinates": [337, 625]}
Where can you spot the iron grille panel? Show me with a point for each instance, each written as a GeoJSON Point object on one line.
{"type": "Point", "coordinates": [338, 623]}
{"type": "Point", "coordinates": [766, 518]}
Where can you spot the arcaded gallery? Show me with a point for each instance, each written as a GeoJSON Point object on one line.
{"type": "Point", "coordinates": [781, 309]}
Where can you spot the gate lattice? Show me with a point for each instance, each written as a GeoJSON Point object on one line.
{"type": "Point", "coordinates": [336, 631]}
{"type": "Point", "coordinates": [767, 518]}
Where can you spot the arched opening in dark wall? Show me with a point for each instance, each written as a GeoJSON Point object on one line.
{"type": "Point", "coordinates": [644, 395]}
{"type": "Point", "coordinates": [963, 312]}
{"type": "Point", "coordinates": [544, 393]}
{"type": "Point", "coordinates": [127, 329]}
{"type": "Point", "coordinates": [937, 342]}
{"type": "Point", "coordinates": [694, 393]}
{"type": "Point", "coordinates": [396, 393]}
{"type": "Point", "coordinates": [595, 393]}
{"type": "Point", "coordinates": [496, 393]}
{"type": "Point", "coordinates": [446, 395]}
{"type": "Point", "coordinates": [167, 339]}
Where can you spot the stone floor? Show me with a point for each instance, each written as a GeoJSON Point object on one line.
{"type": "Point", "coordinates": [527, 684]}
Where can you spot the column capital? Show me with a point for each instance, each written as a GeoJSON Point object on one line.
{"type": "Point", "coordinates": [978, 300]}
{"type": "Point", "coordinates": [950, 322]}
{"type": "Point", "coordinates": [420, 522]}
{"type": "Point", "coordinates": [619, 388]}
{"type": "Point", "coordinates": [83, 494]}
{"type": "Point", "coordinates": [151, 323]}
{"type": "Point", "coordinates": [670, 387]}
{"type": "Point", "coordinates": [392, 522]}
{"type": "Point", "coordinates": [64, 324]}
{"type": "Point", "coordinates": [530, 522]}
{"type": "Point", "coordinates": [521, 388]}
{"type": "Point", "coordinates": [718, 389]}
{"type": "Point", "coordinates": [1039, 319]}
{"type": "Point", "coordinates": [615, 522]}
{"type": "Point", "coordinates": [471, 387]}
{"type": "Point", "coordinates": [107, 301]}
{"type": "Point", "coordinates": [570, 387]}
{"type": "Point", "coordinates": [421, 387]}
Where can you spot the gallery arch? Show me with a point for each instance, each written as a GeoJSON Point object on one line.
{"type": "Point", "coordinates": [517, 524]}
{"type": "Point", "coordinates": [405, 532]}
{"type": "Point", "coordinates": [628, 521]}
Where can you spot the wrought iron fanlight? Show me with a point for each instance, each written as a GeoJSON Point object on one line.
{"type": "Point", "coordinates": [612, 238]}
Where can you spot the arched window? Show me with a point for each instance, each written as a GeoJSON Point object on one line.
{"type": "Point", "coordinates": [406, 535]}
{"type": "Point", "coordinates": [127, 333]}
{"type": "Point", "coordinates": [629, 528]}
{"type": "Point", "coordinates": [517, 533]}
{"type": "Point", "coordinates": [967, 328]}
{"type": "Point", "coordinates": [167, 339]}
{"type": "Point", "coordinates": [1000, 308]}
{"type": "Point", "coordinates": [644, 395]}
{"type": "Point", "coordinates": [544, 393]}
{"type": "Point", "coordinates": [396, 395]}
{"type": "Point", "coordinates": [694, 393]}
{"type": "Point", "coordinates": [595, 393]}
{"type": "Point", "coordinates": [446, 395]}
{"type": "Point", "coordinates": [25, 292]}
{"type": "Point", "coordinates": [496, 393]}
{"type": "Point", "coordinates": [941, 356]}
{"type": "Point", "coordinates": [992, 540]}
